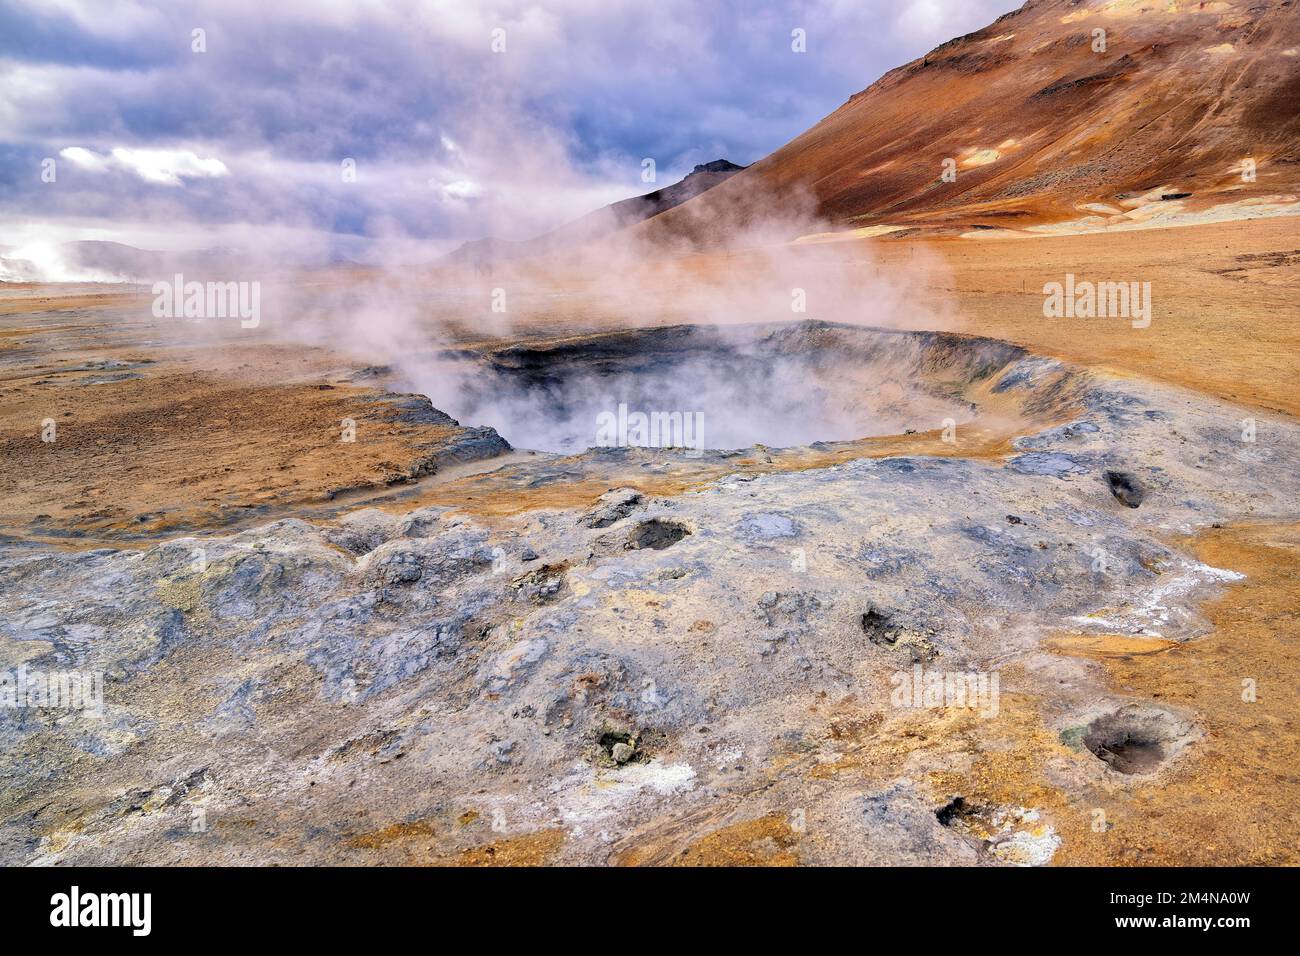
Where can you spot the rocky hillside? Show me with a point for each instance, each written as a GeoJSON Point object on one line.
{"type": "Point", "coordinates": [1059, 110]}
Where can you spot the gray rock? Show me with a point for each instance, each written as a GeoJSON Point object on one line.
{"type": "Point", "coordinates": [1053, 464]}
{"type": "Point", "coordinates": [613, 506]}
{"type": "Point", "coordinates": [341, 678]}
{"type": "Point", "coordinates": [765, 526]}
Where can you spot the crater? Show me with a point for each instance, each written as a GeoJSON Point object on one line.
{"type": "Point", "coordinates": [722, 387]}
{"type": "Point", "coordinates": [1137, 739]}
{"type": "Point", "coordinates": [657, 534]}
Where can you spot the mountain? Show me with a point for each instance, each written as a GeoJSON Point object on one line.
{"type": "Point", "coordinates": [128, 262]}
{"type": "Point", "coordinates": [600, 222]}
{"type": "Point", "coordinates": [1063, 110]}
{"type": "Point", "coordinates": [101, 261]}
{"type": "Point", "coordinates": [95, 260]}
{"type": "Point", "coordinates": [628, 212]}
{"type": "Point", "coordinates": [478, 252]}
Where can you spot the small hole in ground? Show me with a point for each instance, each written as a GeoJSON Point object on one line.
{"type": "Point", "coordinates": [1134, 740]}
{"type": "Point", "coordinates": [954, 810]}
{"type": "Point", "coordinates": [609, 738]}
{"type": "Point", "coordinates": [1127, 752]}
{"type": "Point", "coordinates": [657, 534]}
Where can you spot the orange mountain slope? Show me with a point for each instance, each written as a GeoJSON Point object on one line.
{"type": "Point", "coordinates": [1092, 112]}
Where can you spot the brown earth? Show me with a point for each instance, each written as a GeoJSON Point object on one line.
{"type": "Point", "coordinates": [147, 439]}
{"type": "Point", "coordinates": [200, 435]}
{"type": "Point", "coordinates": [1039, 121]}
{"type": "Point", "coordinates": [1224, 307]}
{"type": "Point", "coordinates": [1229, 803]}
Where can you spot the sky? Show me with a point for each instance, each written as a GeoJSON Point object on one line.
{"type": "Point", "coordinates": [346, 124]}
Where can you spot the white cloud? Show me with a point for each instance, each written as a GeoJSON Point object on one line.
{"type": "Point", "coordinates": [116, 18]}
{"type": "Point", "coordinates": [166, 167]}
{"type": "Point", "coordinates": [463, 189]}
{"type": "Point", "coordinates": [85, 159]}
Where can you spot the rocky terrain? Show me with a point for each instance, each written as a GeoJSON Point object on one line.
{"type": "Point", "coordinates": [946, 581]}
{"type": "Point", "coordinates": [632, 677]}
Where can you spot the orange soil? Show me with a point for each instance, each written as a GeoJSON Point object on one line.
{"type": "Point", "coordinates": [1231, 801]}
{"type": "Point", "coordinates": [1224, 322]}
{"type": "Point", "coordinates": [185, 446]}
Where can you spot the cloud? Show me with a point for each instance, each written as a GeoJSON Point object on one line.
{"type": "Point", "coordinates": [934, 21]}
{"type": "Point", "coordinates": [463, 189]}
{"type": "Point", "coordinates": [85, 159]}
{"type": "Point", "coordinates": [166, 167]}
{"type": "Point", "coordinates": [450, 140]}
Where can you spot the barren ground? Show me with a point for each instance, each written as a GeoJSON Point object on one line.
{"type": "Point", "coordinates": [162, 433]}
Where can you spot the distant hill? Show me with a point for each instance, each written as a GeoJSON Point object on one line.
{"type": "Point", "coordinates": [99, 261]}
{"type": "Point", "coordinates": [601, 222]}
{"type": "Point", "coordinates": [94, 260]}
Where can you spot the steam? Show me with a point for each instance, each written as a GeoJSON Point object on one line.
{"type": "Point", "coordinates": [493, 162]}
{"type": "Point", "coordinates": [47, 261]}
{"type": "Point", "coordinates": [729, 388]}
{"type": "Point", "coordinates": [429, 327]}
